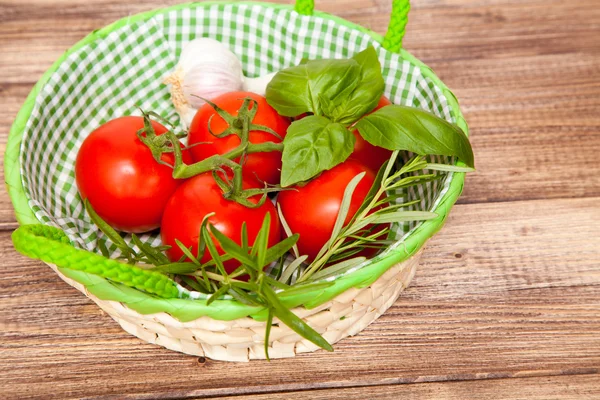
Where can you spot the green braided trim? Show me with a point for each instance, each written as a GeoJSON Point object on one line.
{"type": "Point", "coordinates": [51, 245]}
{"type": "Point", "coordinates": [305, 7]}
{"type": "Point", "coordinates": [393, 38]}
{"type": "Point", "coordinates": [397, 27]}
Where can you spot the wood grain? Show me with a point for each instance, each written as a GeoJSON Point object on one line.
{"type": "Point", "coordinates": [506, 303]}
{"type": "Point", "coordinates": [513, 300]}
{"type": "Point", "coordinates": [545, 388]}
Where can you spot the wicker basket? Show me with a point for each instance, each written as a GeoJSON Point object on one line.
{"type": "Point", "coordinates": [119, 68]}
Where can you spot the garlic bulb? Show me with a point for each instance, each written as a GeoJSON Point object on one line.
{"type": "Point", "coordinates": [207, 69]}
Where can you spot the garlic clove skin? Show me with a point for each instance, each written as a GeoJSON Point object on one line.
{"type": "Point", "coordinates": [208, 81]}
{"type": "Point", "coordinates": [258, 85]}
{"type": "Point", "coordinates": [206, 51]}
{"type": "Point", "coordinates": [206, 69]}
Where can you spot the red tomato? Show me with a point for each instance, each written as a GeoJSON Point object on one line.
{"type": "Point", "coordinates": [311, 210]}
{"type": "Point", "coordinates": [116, 172]}
{"type": "Point", "coordinates": [266, 166]}
{"type": "Point", "coordinates": [199, 196]}
{"type": "Point", "coordinates": [371, 156]}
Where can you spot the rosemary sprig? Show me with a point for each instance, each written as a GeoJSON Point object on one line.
{"type": "Point", "coordinates": [260, 284]}
{"type": "Point", "coordinates": [376, 209]}
{"type": "Point", "coordinates": [211, 277]}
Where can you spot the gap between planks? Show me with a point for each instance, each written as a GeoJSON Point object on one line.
{"type": "Point", "coordinates": [560, 387]}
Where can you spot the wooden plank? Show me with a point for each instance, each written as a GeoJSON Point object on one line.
{"type": "Point", "coordinates": [505, 290]}
{"type": "Point", "coordinates": [543, 388]}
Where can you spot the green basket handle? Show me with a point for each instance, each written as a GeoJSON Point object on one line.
{"type": "Point", "coordinates": [396, 29]}
{"type": "Point", "coordinates": [52, 246]}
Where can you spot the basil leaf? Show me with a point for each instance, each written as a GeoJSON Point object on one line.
{"type": "Point", "coordinates": [312, 145]}
{"type": "Point", "coordinates": [305, 88]}
{"type": "Point", "coordinates": [368, 92]}
{"type": "Point", "coordinates": [407, 128]}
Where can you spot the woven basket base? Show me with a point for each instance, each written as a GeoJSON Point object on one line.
{"type": "Point", "coordinates": [243, 339]}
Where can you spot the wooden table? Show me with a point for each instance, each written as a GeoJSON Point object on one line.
{"type": "Point", "coordinates": [506, 303]}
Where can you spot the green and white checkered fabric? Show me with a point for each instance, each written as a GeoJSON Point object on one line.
{"type": "Point", "coordinates": [122, 72]}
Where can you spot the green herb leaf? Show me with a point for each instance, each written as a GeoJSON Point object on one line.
{"type": "Point", "coordinates": [242, 296]}
{"type": "Point", "coordinates": [269, 323]}
{"type": "Point", "coordinates": [305, 288]}
{"type": "Point", "coordinates": [233, 249]}
{"type": "Point", "coordinates": [302, 89]}
{"type": "Point", "coordinates": [222, 290]}
{"type": "Point", "coordinates": [448, 168]}
{"type": "Point", "coordinates": [293, 322]}
{"type": "Point", "coordinates": [177, 268]}
{"type": "Point", "coordinates": [207, 282]}
{"type": "Point", "coordinates": [338, 268]}
{"type": "Point", "coordinates": [108, 230]}
{"type": "Point", "coordinates": [342, 212]}
{"type": "Point", "coordinates": [345, 205]}
{"type": "Point", "coordinates": [366, 95]}
{"type": "Point", "coordinates": [262, 241]}
{"type": "Point", "coordinates": [193, 283]}
{"type": "Point", "coordinates": [290, 269]}
{"type": "Point", "coordinates": [344, 255]}
{"type": "Point", "coordinates": [244, 236]}
{"type": "Point", "coordinates": [384, 171]}
{"type": "Point", "coordinates": [201, 242]}
{"type": "Point", "coordinates": [103, 249]}
{"type": "Point", "coordinates": [278, 250]}
{"type": "Point", "coordinates": [156, 257]}
{"type": "Point", "coordinates": [187, 252]}
{"type": "Point", "coordinates": [312, 145]}
{"type": "Point", "coordinates": [287, 229]}
{"type": "Point", "coordinates": [406, 128]}
{"type": "Point", "coordinates": [403, 216]}
{"type": "Point", "coordinates": [274, 283]}
{"type": "Point", "coordinates": [212, 249]}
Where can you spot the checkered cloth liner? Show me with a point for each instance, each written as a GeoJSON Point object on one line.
{"type": "Point", "coordinates": [124, 71]}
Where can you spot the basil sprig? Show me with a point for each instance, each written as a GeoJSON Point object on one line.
{"type": "Point", "coordinates": [342, 90]}
{"type": "Point", "coordinates": [339, 93]}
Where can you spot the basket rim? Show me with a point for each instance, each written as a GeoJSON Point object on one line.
{"type": "Point", "coordinates": [228, 309]}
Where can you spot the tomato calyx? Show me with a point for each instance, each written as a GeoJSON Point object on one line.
{"type": "Point", "coordinates": [158, 144]}
{"type": "Point", "coordinates": [233, 188]}
{"type": "Point", "coordinates": [239, 125]}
